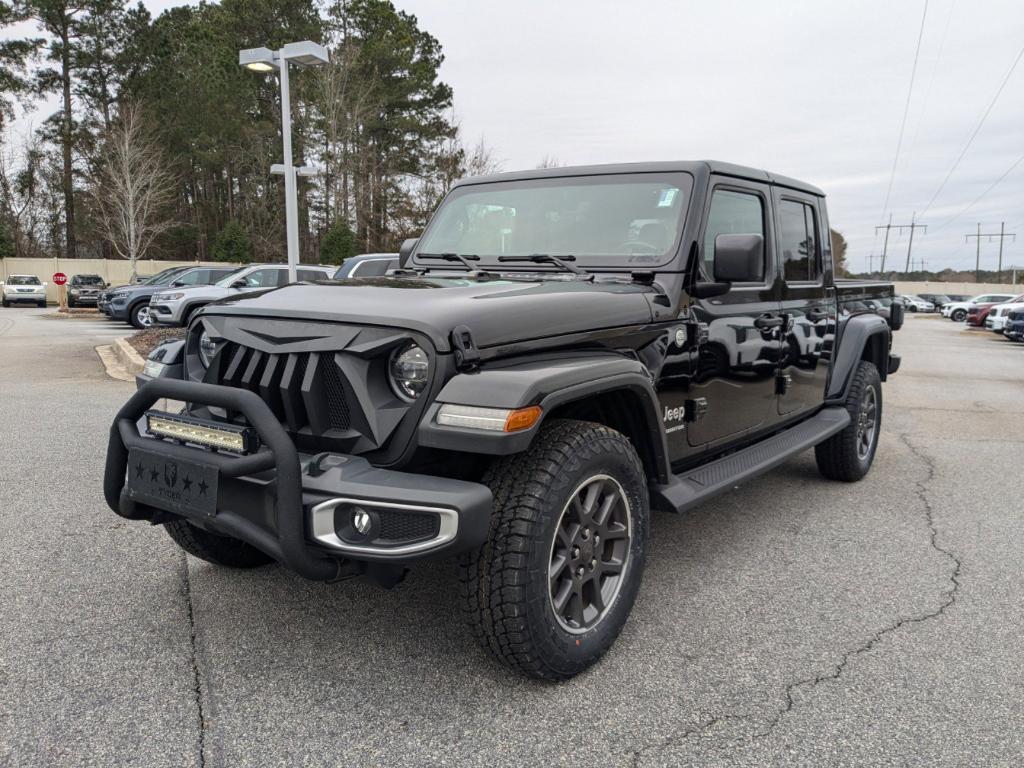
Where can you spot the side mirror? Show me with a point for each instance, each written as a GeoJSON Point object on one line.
{"type": "Point", "coordinates": [739, 258]}
{"type": "Point", "coordinates": [238, 284]}
{"type": "Point", "coordinates": [405, 252]}
{"type": "Point", "coordinates": [177, 284]}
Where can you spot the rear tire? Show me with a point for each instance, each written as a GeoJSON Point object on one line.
{"type": "Point", "coordinates": [848, 455]}
{"type": "Point", "coordinates": [219, 550]}
{"type": "Point", "coordinates": [553, 585]}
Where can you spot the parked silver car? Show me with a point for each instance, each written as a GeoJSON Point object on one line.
{"type": "Point", "coordinates": [175, 306]}
{"type": "Point", "coordinates": [24, 289]}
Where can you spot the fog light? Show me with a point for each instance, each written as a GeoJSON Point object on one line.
{"type": "Point", "coordinates": [361, 520]}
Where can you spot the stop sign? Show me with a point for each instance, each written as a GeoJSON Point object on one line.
{"type": "Point", "coordinates": [59, 278]}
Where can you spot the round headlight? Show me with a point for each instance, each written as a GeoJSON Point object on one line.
{"type": "Point", "coordinates": [207, 348]}
{"type": "Point", "coordinates": [409, 371]}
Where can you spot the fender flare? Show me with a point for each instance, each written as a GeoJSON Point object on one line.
{"type": "Point", "coordinates": [855, 335]}
{"type": "Point", "coordinates": [188, 311]}
{"type": "Point", "coordinates": [550, 382]}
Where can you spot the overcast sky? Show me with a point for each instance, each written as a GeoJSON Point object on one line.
{"type": "Point", "coordinates": [814, 90]}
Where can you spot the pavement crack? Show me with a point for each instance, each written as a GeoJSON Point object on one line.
{"type": "Point", "coordinates": [197, 686]}
{"type": "Point", "coordinates": [695, 729]}
{"type": "Point", "coordinates": [948, 599]}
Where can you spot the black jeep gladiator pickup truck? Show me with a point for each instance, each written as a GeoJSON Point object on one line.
{"type": "Point", "coordinates": [560, 352]}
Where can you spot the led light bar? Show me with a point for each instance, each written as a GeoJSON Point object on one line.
{"type": "Point", "coordinates": [490, 419]}
{"type": "Point", "coordinates": [224, 437]}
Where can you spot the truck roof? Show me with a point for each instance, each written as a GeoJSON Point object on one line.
{"type": "Point", "coordinates": [696, 167]}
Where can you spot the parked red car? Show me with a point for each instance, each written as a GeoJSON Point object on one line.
{"type": "Point", "coordinates": [976, 314]}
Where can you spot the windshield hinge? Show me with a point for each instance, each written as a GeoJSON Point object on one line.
{"type": "Point", "coordinates": [467, 356]}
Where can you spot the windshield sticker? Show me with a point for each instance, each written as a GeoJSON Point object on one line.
{"type": "Point", "coordinates": [667, 197]}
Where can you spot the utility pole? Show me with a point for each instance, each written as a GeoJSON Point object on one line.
{"type": "Point", "coordinates": [871, 263]}
{"type": "Point", "coordinates": [910, 245]}
{"type": "Point", "coordinates": [899, 228]}
{"type": "Point", "coordinates": [885, 245]}
{"type": "Point", "coordinates": [1002, 234]}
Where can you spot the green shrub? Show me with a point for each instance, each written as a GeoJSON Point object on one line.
{"type": "Point", "coordinates": [232, 244]}
{"type": "Point", "coordinates": [338, 244]}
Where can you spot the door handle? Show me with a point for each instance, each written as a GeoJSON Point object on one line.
{"type": "Point", "coordinates": [816, 314]}
{"type": "Point", "coordinates": [766, 321]}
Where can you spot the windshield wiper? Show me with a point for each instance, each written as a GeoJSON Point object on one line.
{"type": "Point", "coordinates": [547, 258]}
{"type": "Point", "coordinates": [466, 259]}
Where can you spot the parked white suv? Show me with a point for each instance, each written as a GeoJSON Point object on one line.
{"type": "Point", "coordinates": [957, 310]}
{"type": "Point", "coordinates": [998, 315]}
{"type": "Point", "coordinates": [917, 304]}
{"type": "Point", "coordinates": [24, 289]}
{"type": "Point", "coordinates": [175, 306]}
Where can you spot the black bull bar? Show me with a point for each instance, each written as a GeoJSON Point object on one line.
{"type": "Point", "coordinates": [289, 545]}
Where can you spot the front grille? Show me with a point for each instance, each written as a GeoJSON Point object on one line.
{"type": "Point", "coordinates": [337, 401]}
{"type": "Point", "coordinates": [277, 378]}
{"type": "Point", "coordinates": [397, 527]}
{"type": "Point", "coordinates": [326, 383]}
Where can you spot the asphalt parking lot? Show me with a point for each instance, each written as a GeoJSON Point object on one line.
{"type": "Point", "coordinates": [794, 621]}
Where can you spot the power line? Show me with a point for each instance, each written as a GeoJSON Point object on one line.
{"type": "Point", "coordinates": [923, 112]}
{"type": "Point", "coordinates": [906, 109]}
{"type": "Point", "coordinates": [976, 200]}
{"type": "Point", "coordinates": [977, 128]}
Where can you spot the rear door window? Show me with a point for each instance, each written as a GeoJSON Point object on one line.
{"type": "Point", "coordinates": [798, 239]}
{"type": "Point", "coordinates": [372, 268]}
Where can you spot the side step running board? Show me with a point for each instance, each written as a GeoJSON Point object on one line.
{"type": "Point", "coordinates": [694, 486]}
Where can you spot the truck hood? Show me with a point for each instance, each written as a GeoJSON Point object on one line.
{"type": "Point", "coordinates": [497, 312]}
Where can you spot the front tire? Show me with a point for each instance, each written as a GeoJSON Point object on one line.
{"type": "Point", "coordinates": [553, 585]}
{"type": "Point", "coordinates": [219, 550]}
{"type": "Point", "coordinates": [139, 316]}
{"type": "Point", "coordinates": [958, 315]}
{"type": "Point", "coordinates": [848, 455]}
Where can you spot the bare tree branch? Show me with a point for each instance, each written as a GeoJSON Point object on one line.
{"type": "Point", "coordinates": [132, 187]}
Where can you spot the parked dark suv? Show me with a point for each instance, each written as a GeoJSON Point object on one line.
{"type": "Point", "coordinates": [85, 290]}
{"type": "Point", "coordinates": [561, 351]}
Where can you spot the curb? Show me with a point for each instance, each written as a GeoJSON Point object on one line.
{"type": "Point", "coordinates": [130, 359]}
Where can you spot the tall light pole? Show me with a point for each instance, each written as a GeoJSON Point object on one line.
{"type": "Point", "coordinates": [304, 54]}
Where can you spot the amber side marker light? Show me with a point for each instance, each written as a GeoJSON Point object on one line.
{"type": "Point", "coordinates": [490, 419]}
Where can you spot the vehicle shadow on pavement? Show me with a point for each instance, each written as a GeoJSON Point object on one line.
{"type": "Point", "coordinates": [721, 623]}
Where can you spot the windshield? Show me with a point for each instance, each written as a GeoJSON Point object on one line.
{"type": "Point", "coordinates": [23, 280]}
{"type": "Point", "coordinates": [229, 278]}
{"type": "Point", "coordinates": [87, 280]}
{"type": "Point", "coordinates": [602, 221]}
{"type": "Point", "coordinates": [160, 277]}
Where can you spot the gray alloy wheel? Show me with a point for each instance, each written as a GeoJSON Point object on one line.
{"type": "Point", "coordinates": [867, 422]}
{"type": "Point", "coordinates": [140, 316]}
{"type": "Point", "coordinates": [959, 315]}
{"type": "Point", "coordinates": [589, 553]}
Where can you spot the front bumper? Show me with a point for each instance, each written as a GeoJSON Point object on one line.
{"type": "Point", "coordinates": [85, 298]}
{"type": "Point", "coordinates": [166, 312]}
{"type": "Point", "coordinates": [29, 298]}
{"type": "Point", "coordinates": [290, 505]}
